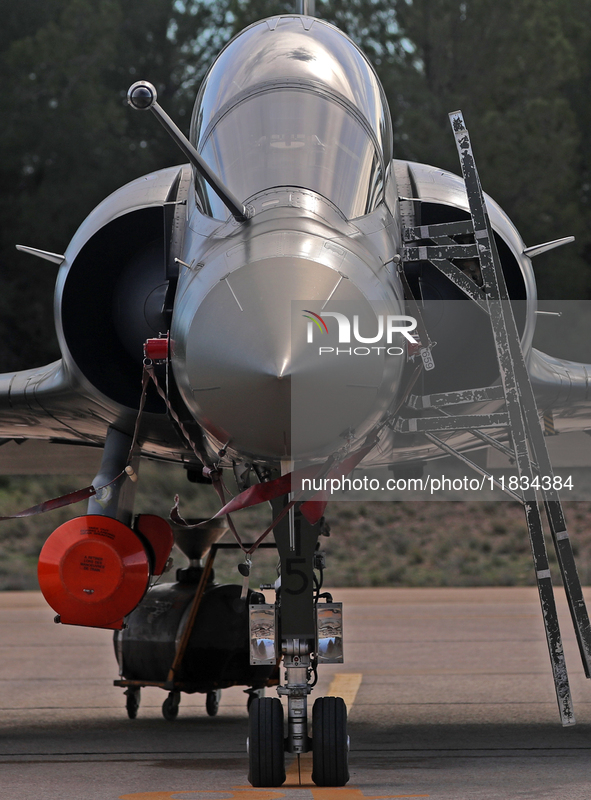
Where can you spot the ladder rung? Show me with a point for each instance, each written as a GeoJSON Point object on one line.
{"type": "Point", "coordinates": [454, 398]}
{"type": "Point", "coordinates": [461, 228]}
{"type": "Point", "coordinates": [430, 252]}
{"type": "Point", "coordinates": [463, 422]}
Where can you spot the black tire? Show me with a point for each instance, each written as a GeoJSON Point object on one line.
{"type": "Point", "coordinates": [266, 752]}
{"type": "Point", "coordinates": [170, 707]}
{"type": "Point", "coordinates": [252, 696]}
{"type": "Point", "coordinates": [132, 702]}
{"type": "Point", "coordinates": [212, 702]}
{"type": "Point", "coordinates": [330, 743]}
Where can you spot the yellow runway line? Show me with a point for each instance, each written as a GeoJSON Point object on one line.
{"type": "Point", "coordinates": [345, 685]}
{"type": "Point", "coordinates": [293, 775]}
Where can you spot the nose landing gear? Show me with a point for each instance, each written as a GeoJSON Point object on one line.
{"type": "Point", "coordinates": [309, 632]}
{"type": "Point", "coordinates": [330, 743]}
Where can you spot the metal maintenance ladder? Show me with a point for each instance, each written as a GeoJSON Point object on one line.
{"type": "Point", "coordinates": [520, 414]}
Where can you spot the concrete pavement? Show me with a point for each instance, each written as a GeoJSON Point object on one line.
{"type": "Point", "coordinates": [452, 698]}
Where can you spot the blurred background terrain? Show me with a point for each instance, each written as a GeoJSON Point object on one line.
{"type": "Point", "coordinates": [446, 543]}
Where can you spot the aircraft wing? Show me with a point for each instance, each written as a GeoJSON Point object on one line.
{"type": "Point", "coordinates": [48, 424]}
{"type": "Point", "coordinates": [562, 387]}
{"type": "Point", "coordinates": [54, 422]}
{"type": "Point", "coordinates": [45, 403]}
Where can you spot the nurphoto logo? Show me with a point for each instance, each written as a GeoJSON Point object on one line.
{"type": "Point", "coordinates": [388, 327]}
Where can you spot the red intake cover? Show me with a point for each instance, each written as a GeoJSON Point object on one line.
{"type": "Point", "coordinates": [160, 536]}
{"type": "Point", "coordinates": [93, 570]}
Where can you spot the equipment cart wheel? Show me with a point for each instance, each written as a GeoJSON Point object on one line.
{"type": "Point", "coordinates": [212, 702]}
{"type": "Point", "coordinates": [170, 707]}
{"type": "Point", "coordinates": [132, 702]}
{"type": "Point", "coordinates": [330, 743]}
{"type": "Point", "coordinates": [266, 753]}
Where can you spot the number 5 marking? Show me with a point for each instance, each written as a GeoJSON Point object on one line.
{"type": "Point", "coordinates": [290, 570]}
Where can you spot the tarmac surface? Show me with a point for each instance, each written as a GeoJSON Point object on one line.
{"type": "Point", "coordinates": [449, 690]}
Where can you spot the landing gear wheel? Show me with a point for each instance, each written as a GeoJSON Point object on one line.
{"type": "Point", "coordinates": [330, 744]}
{"type": "Point", "coordinates": [252, 696]}
{"type": "Point", "coordinates": [212, 702]}
{"type": "Point", "coordinates": [266, 755]}
{"type": "Point", "coordinates": [170, 707]}
{"type": "Point", "coordinates": [132, 702]}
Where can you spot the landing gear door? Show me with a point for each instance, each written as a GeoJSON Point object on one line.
{"type": "Point", "coordinates": [329, 621]}
{"type": "Point", "coordinates": [263, 642]}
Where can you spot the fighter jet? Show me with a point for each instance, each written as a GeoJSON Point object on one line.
{"type": "Point", "coordinates": [290, 305]}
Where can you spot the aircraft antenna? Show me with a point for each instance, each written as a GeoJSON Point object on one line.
{"type": "Point", "coordinates": [143, 97]}
{"type": "Point", "coordinates": [306, 8]}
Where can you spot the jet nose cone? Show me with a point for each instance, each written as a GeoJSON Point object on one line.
{"type": "Point", "coordinates": [247, 377]}
{"type": "Point", "coordinates": [237, 363]}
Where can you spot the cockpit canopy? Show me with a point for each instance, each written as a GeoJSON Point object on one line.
{"type": "Point", "coordinates": [292, 101]}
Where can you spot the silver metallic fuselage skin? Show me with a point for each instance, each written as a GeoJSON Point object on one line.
{"type": "Point", "coordinates": [293, 119]}
{"type": "Point", "coordinates": [301, 134]}
{"type": "Point", "coordinates": [291, 101]}
{"type": "Point", "coordinates": [233, 353]}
